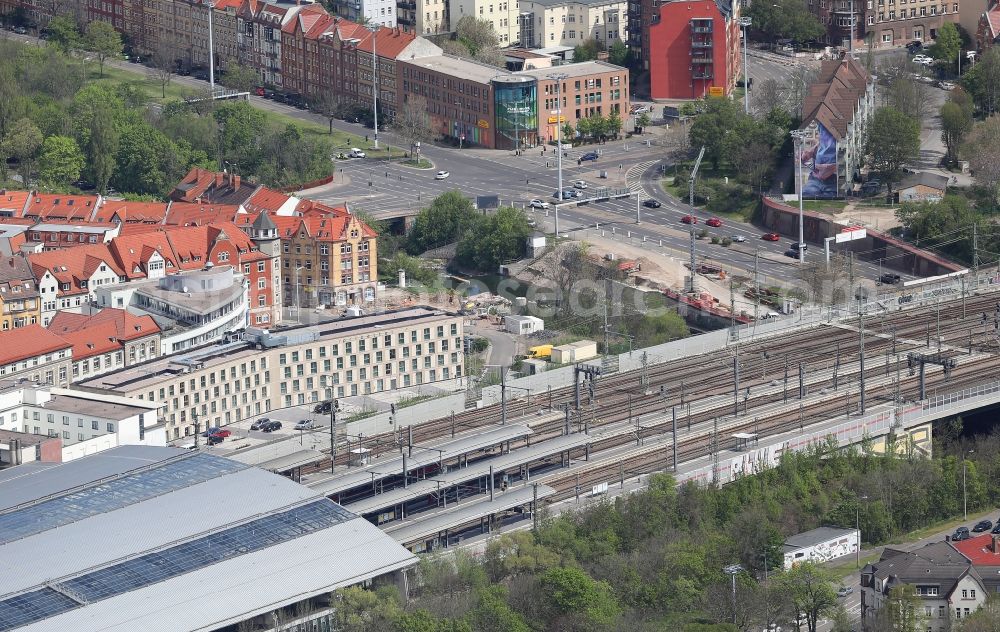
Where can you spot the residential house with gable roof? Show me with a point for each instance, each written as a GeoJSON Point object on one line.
{"type": "Point", "coordinates": [298, 45]}
{"type": "Point", "coordinates": [988, 30]}
{"type": "Point", "coordinates": [36, 354]}
{"type": "Point", "coordinates": [108, 340]}
{"type": "Point", "coordinates": [20, 303]}
{"type": "Point", "coordinates": [946, 583]}
{"type": "Point", "coordinates": [79, 272]}
{"type": "Point", "coordinates": [259, 37]}
{"type": "Point", "coordinates": [13, 203]}
{"type": "Point", "coordinates": [60, 207]}
{"type": "Point", "coordinates": [128, 212]}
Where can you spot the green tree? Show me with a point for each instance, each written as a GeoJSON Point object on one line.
{"type": "Point", "coordinates": [618, 53]}
{"type": "Point", "coordinates": [810, 589]}
{"type": "Point", "coordinates": [902, 611]}
{"type": "Point", "coordinates": [948, 44]}
{"type": "Point", "coordinates": [956, 123]}
{"type": "Point", "coordinates": [587, 50]}
{"type": "Point", "coordinates": [238, 77]}
{"type": "Point", "coordinates": [476, 34]}
{"type": "Point", "coordinates": [443, 222]}
{"type": "Point", "coordinates": [613, 125]}
{"type": "Point", "coordinates": [893, 140]}
{"type": "Point", "coordinates": [492, 613]}
{"type": "Point", "coordinates": [104, 41]}
{"type": "Point", "coordinates": [982, 81]}
{"type": "Point", "coordinates": [102, 149]}
{"type": "Point", "coordinates": [242, 133]}
{"type": "Point", "coordinates": [713, 127]}
{"type": "Point", "coordinates": [785, 19]}
{"type": "Point", "coordinates": [642, 121]}
{"type": "Point", "coordinates": [982, 148]}
{"type": "Point", "coordinates": [60, 163]}
{"type": "Point", "coordinates": [573, 594]}
{"type": "Point", "coordinates": [64, 34]}
{"type": "Point", "coordinates": [360, 610]}
{"type": "Point", "coordinates": [568, 133]}
{"type": "Point", "coordinates": [494, 240]}
{"type": "Point", "coordinates": [22, 143]}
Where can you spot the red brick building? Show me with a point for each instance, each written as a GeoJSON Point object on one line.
{"type": "Point", "coordinates": [694, 49]}
{"type": "Point", "coordinates": [989, 28]}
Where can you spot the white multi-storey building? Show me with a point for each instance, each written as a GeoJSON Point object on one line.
{"type": "Point", "coordinates": [544, 23]}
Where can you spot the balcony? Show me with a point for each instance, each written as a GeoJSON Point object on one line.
{"type": "Point", "coordinates": [406, 5]}
{"type": "Point", "coordinates": [701, 59]}
{"type": "Point", "coordinates": [698, 74]}
{"type": "Point", "coordinates": [404, 21]}
{"type": "Point", "coordinates": [701, 43]}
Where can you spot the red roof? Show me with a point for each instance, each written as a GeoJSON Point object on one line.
{"type": "Point", "coordinates": [993, 19]}
{"type": "Point", "coordinates": [222, 5]}
{"type": "Point", "coordinates": [311, 208]}
{"type": "Point", "coordinates": [102, 332]}
{"type": "Point", "coordinates": [132, 253]}
{"type": "Point", "coordinates": [28, 342]}
{"type": "Point", "coordinates": [131, 212]}
{"type": "Point", "coordinates": [74, 265]}
{"type": "Point", "coordinates": [57, 205]}
{"type": "Point", "coordinates": [390, 42]}
{"type": "Point", "coordinates": [265, 200]}
{"type": "Point", "coordinates": [188, 214]}
{"type": "Point", "coordinates": [979, 550]}
{"type": "Point", "coordinates": [194, 246]}
{"type": "Point", "coordinates": [14, 201]}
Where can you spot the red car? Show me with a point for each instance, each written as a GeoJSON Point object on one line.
{"type": "Point", "coordinates": [714, 222]}
{"type": "Point", "coordinates": [221, 433]}
{"type": "Point", "coordinates": [771, 237]}
{"type": "Point", "coordinates": [689, 219]}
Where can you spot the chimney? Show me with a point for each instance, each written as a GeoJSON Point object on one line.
{"type": "Point", "coordinates": [218, 179]}
{"type": "Point", "coordinates": [236, 183]}
{"type": "Point", "coordinates": [994, 545]}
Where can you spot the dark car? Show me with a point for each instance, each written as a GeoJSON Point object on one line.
{"type": "Point", "coordinates": [271, 426]}
{"type": "Point", "coordinates": [651, 203]}
{"type": "Point", "coordinates": [961, 533]}
{"type": "Point", "coordinates": [260, 423]}
{"type": "Point", "coordinates": [20, 30]}
{"type": "Point", "coordinates": [914, 46]}
{"type": "Point", "coordinates": [889, 278]}
{"type": "Point", "coordinates": [214, 440]}
{"type": "Point", "coordinates": [792, 252]}
{"type": "Point", "coordinates": [590, 155]}
{"type": "Point", "coordinates": [996, 529]}
{"type": "Point", "coordinates": [322, 408]}
{"type": "Point", "coordinates": [210, 431]}
{"type": "Point", "coordinates": [982, 525]}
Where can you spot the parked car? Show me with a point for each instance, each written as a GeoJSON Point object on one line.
{"type": "Point", "coordinates": [689, 219]}
{"type": "Point", "coordinates": [214, 440]}
{"type": "Point", "coordinates": [579, 184]}
{"type": "Point", "coordinates": [923, 60]}
{"type": "Point", "coordinates": [304, 424]}
{"type": "Point", "coordinates": [271, 426]}
{"type": "Point", "coordinates": [221, 432]}
{"type": "Point", "coordinates": [536, 203]}
{"type": "Point", "coordinates": [323, 408]}
{"type": "Point", "coordinates": [771, 237]}
{"type": "Point", "coordinates": [961, 533]}
{"type": "Point", "coordinates": [209, 431]}
{"type": "Point", "coordinates": [739, 238]}
{"type": "Point", "coordinates": [356, 153]}
{"type": "Point", "coordinates": [843, 591]}
{"type": "Point", "coordinates": [890, 278]}
{"type": "Point", "coordinates": [567, 194]}
{"type": "Point", "coordinates": [259, 91]}
{"type": "Point", "coordinates": [714, 222]}
{"type": "Point", "coordinates": [441, 175]}
{"type": "Point", "coordinates": [996, 528]}
{"type": "Point", "coordinates": [260, 423]}
{"type": "Point", "coordinates": [797, 246]}
{"type": "Point", "coordinates": [982, 525]}
{"type": "Point", "coordinates": [20, 30]}
{"type": "Point", "coordinates": [793, 253]}
{"type": "Point", "coordinates": [640, 109]}
{"type": "Point", "coordinates": [651, 203]}
{"type": "Point", "coordinates": [590, 155]}
{"type": "Point", "coordinates": [914, 47]}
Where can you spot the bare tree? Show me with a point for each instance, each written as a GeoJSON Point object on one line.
{"type": "Point", "coordinates": [983, 152]}
{"type": "Point", "coordinates": [163, 67]}
{"type": "Point", "coordinates": [769, 95]}
{"type": "Point", "coordinates": [326, 104]}
{"type": "Point", "coordinates": [412, 124]}
{"type": "Point", "coordinates": [798, 88]}
{"type": "Point", "coordinates": [910, 96]}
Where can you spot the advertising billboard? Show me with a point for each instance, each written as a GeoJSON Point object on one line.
{"type": "Point", "coordinates": [819, 164]}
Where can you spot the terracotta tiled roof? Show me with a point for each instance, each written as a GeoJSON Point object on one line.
{"type": "Point", "coordinates": [834, 96]}
{"type": "Point", "coordinates": [187, 214]}
{"type": "Point", "coordinates": [265, 199]}
{"type": "Point", "coordinates": [133, 251]}
{"type": "Point", "coordinates": [28, 342]}
{"type": "Point", "coordinates": [993, 19]}
{"type": "Point", "coordinates": [194, 246]}
{"type": "Point", "coordinates": [131, 212]}
{"type": "Point", "coordinates": [330, 229]}
{"type": "Point", "coordinates": [390, 42]}
{"type": "Point", "coordinates": [74, 265]}
{"type": "Point", "coordinates": [57, 205]}
{"type": "Point", "coordinates": [222, 5]}
{"type": "Point", "coordinates": [102, 332]}
{"type": "Point", "coordinates": [311, 208]}
{"type": "Point", "coordinates": [13, 202]}
{"type": "Point", "coordinates": [16, 278]}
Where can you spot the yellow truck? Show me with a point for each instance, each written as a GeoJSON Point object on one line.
{"type": "Point", "coordinates": [541, 352]}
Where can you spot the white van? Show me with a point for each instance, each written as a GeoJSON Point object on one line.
{"type": "Point", "coordinates": [356, 153]}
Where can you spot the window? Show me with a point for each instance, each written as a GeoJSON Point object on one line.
{"type": "Point", "coordinates": [94, 425]}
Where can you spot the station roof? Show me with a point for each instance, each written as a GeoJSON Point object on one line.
{"type": "Point", "coordinates": [475, 470]}
{"type": "Point", "coordinates": [139, 537]}
{"type": "Point", "coordinates": [421, 458]}
{"type": "Point", "coordinates": [277, 456]}
{"type": "Point", "coordinates": [464, 513]}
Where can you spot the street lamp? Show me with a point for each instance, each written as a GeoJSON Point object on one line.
{"type": "Point", "coordinates": [558, 78]}
{"type": "Point", "coordinates": [965, 496]}
{"type": "Point", "coordinates": [374, 27]}
{"type": "Point", "coordinates": [745, 23]}
{"type": "Point", "coordinates": [799, 135]}
{"type": "Point", "coordinates": [211, 51]}
{"type": "Point", "coordinates": [732, 570]}
{"type": "Point", "coordinates": [857, 527]}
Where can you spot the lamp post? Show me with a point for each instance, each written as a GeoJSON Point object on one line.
{"type": "Point", "coordinates": [374, 29]}
{"type": "Point", "coordinates": [857, 527]}
{"type": "Point", "coordinates": [965, 496]}
{"type": "Point", "coordinates": [211, 51]}
{"type": "Point", "coordinates": [732, 570]}
{"type": "Point", "coordinates": [745, 22]}
{"type": "Point", "coordinates": [558, 78]}
{"type": "Point", "coordinates": [799, 135]}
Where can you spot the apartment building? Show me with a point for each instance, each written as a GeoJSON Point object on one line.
{"type": "Point", "coordinates": [221, 384]}
{"type": "Point", "coordinates": [36, 354]}
{"type": "Point", "coordinates": [78, 272]}
{"type": "Point", "coordinates": [20, 302]}
{"type": "Point", "coordinates": [425, 17]}
{"type": "Point", "coordinates": [381, 12]}
{"type": "Point", "coordinates": [895, 23]}
{"type": "Point", "coordinates": [546, 23]}
{"type": "Point", "coordinates": [107, 340]}
{"type": "Point", "coordinates": [692, 49]}
{"type": "Point", "coordinates": [590, 88]}
{"type": "Point", "coordinates": [501, 14]}
{"type": "Point", "coordinates": [328, 260]}
{"type": "Point", "coordinates": [458, 96]}
{"type": "Point", "coordinates": [259, 37]}
{"type": "Point", "coordinates": [224, 32]}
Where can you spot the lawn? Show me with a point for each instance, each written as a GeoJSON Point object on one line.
{"type": "Point", "coordinates": [142, 78]}
{"type": "Point", "coordinates": [824, 206]}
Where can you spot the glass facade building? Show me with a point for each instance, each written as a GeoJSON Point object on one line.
{"type": "Point", "coordinates": [515, 104]}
